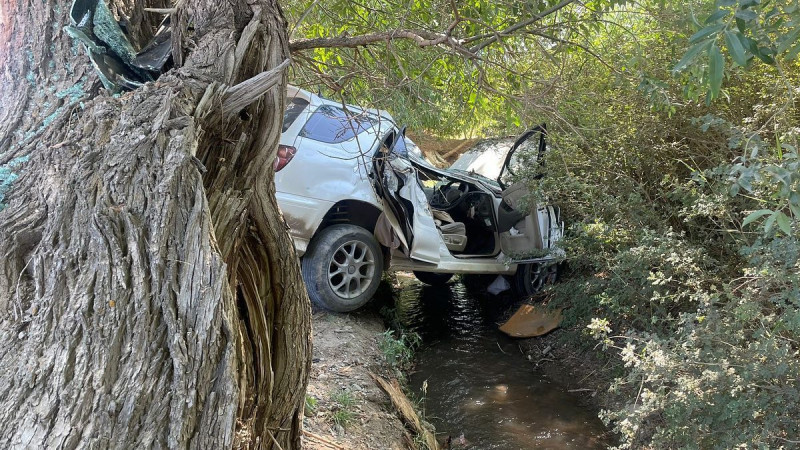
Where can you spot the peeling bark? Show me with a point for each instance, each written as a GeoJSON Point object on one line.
{"type": "Point", "coordinates": [149, 291]}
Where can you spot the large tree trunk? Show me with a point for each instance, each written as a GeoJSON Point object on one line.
{"type": "Point", "coordinates": [149, 292]}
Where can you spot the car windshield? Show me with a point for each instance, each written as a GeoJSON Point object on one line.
{"type": "Point", "coordinates": [484, 158]}
{"type": "Point", "coordinates": [476, 175]}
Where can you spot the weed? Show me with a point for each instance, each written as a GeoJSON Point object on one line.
{"type": "Point", "coordinates": [398, 352]}
{"type": "Point", "coordinates": [311, 406]}
{"type": "Point", "coordinates": [343, 408]}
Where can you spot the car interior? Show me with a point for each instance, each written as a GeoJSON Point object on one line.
{"type": "Point", "coordinates": [469, 218]}
{"type": "Point", "coordinates": [463, 213]}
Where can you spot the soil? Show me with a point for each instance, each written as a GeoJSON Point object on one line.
{"type": "Point", "coordinates": [345, 352]}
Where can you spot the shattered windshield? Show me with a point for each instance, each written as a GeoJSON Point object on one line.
{"type": "Point", "coordinates": [484, 159]}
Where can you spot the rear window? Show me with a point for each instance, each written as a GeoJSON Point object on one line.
{"type": "Point", "coordinates": [333, 125]}
{"type": "Point", "coordinates": [294, 107]}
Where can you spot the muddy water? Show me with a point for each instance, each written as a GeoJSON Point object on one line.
{"type": "Point", "coordinates": [480, 388]}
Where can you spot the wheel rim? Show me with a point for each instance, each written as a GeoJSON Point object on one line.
{"type": "Point", "coordinates": [535, 278]}
{"type": "Point", "coordinates": [538, 276]}
{"type": "Point", "coordinates": [351, 269]}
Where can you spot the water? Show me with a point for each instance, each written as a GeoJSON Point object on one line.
{"type": "Point", "coordinates": [480, 389]}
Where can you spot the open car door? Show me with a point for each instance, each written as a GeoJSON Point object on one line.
{"type": "Point", "coordinates": [527, 149]}
{"type": "Point", "coordinates": [526, 231]}
{"type": "Point", "coordinates": [405, 204]}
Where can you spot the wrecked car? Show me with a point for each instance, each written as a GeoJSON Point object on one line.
{"type": "Point", "coordinates": [359, 199]}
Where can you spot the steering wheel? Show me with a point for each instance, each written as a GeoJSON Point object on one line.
{"type": "Point", "coordinates": [443, 198]}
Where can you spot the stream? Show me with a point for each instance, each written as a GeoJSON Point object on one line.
{"type": "Point", "coordinates": [481, 390]}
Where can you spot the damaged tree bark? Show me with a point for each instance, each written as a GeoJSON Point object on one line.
{"type": "Point", "coordinates": [149, 292]}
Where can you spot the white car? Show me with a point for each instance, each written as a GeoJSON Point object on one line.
{"type": "Point", "coordinates": [359, 199]}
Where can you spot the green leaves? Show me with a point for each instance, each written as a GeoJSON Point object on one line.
{"type": "Point", "coordinates": [755, 215]}
{"type": "Point", "coordinates": [716, 69]}
{"type": "Point", "coordinates": [706, 32]}
{"type": "Point", "coordinates": [690, 55]}
{"type": "Point", "coordinates": [783, 221]}
{"type": "Point", "coordinates": [720, 13]}
{"type": "Point", "coordinates": [735, 47]}
{"type": "Point", "coordinates": [752, 30]}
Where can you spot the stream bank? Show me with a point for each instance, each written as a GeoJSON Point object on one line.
{"type": "Point", "coordinates": [345, 409]}
{"type": "Point", "coordinates": [481, 389]}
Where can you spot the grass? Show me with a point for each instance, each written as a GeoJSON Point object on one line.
{"type": "Point", "coordinates": [344, 403]}
{"type": "Point", "coordinates": [398, 352]}
{"type": "Point", "coordinates": [311, 406]}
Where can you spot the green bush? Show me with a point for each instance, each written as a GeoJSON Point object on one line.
{"type": "Point", "coordinates": [683, 252]}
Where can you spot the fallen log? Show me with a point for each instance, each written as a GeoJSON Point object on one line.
{"type": "Point", "coordinates": [406, 410]}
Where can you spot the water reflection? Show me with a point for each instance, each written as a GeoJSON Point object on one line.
{"type": "Point", "coordinates": [481, 390]}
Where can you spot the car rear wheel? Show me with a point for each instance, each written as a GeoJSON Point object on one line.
{"type": "Point", "coordinates": [342, 268]}
{"type": "Point", "coordinates": [531, 278]}
{"type": "Point", "coordinates": [433, 279]}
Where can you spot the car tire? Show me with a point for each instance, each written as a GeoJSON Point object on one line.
{"type": "Point", "coordinates": [531, 278]}
{"type": "Point", "coordinates": [342, 268]}
{"type": "Point", "coordinates": [433, 279]}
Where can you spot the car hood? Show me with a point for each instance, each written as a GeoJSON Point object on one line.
{"type": "Point", "coordinates": [485, 158]}
{"type": "Point", "coordinates": [470, 177]}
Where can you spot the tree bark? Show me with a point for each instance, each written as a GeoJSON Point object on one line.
{"type": "Point", "coordinates": [149, 292]}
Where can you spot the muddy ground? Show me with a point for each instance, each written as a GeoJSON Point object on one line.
{"type": "Point", "coordinates": [348, 409]}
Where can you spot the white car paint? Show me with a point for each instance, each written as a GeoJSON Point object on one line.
{"type": "Point", "coordinates": [321, 174]}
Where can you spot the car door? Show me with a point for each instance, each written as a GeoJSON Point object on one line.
{"type": "Point", "coordinates": [406, 205]}
{"type": "Point", "coordinates": [526, 231]}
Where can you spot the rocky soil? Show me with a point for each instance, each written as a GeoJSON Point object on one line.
{"type": "Point", "coordinates": [344, 406]}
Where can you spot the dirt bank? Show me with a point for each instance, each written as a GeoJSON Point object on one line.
{"type": "Point", "coordinates": [344, 406]}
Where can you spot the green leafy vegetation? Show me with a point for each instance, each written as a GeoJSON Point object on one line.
{"type": "Point", "coordinates": [682, 197]}
{"type": "Point", "coordinates": [311, 406]}
{"type": "Point", "coordinates": [398, 352]}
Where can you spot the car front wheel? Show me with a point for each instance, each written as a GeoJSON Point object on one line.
{"type": "Point", "coordinates": [342, 268]}
{"type": "Point", "coordinates": [531, 278]}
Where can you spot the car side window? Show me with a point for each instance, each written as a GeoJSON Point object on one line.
{"type": "Point", "coordinates": [333, 125]}
{"type": "Point", "coordinates": [294, 107]}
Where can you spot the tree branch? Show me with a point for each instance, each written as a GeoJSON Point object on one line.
{"type": "Point", "coordinates": [576, 44]}
{"type": "Point", "coordinates": [421, 37]}
{"type": "Point", "coordinates": [491, 38]}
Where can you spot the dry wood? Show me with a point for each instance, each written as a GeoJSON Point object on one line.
{"type": "Point", "coordinates": [406, 410]}
{"type": "Point", "coordinates": [321, 439]}
{"type": "Point", "coordinates": [149, 291]}
{"type": "Point", "coordinates": [238, 97]}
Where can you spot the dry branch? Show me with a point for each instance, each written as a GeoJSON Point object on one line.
{"type": "Point", "coordinates": [240, 96]}
{"type": "Point", "coordinates": [322, 439]}
{"type": "Point", "coordinates": [406, 410]}
{"type": "Point", "coordinates": [421, 37]}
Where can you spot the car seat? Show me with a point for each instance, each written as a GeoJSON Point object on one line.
{"type": "Point", "coordinates": [454, 234]}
